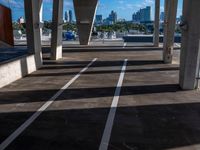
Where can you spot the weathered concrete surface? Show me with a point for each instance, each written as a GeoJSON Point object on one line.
{"type": "Point", "coordinates": [16, 69]}
{"type": "Point", "coordinates": [85, 12]}
{"type": "Point", "coordinates": [32, 15]}
{"type": "Point", "coordinates": [169, 29]}
{"type": "Point", "coordinates": [190, 50]}
{"type": "Point", "coordinates": [16, 63]}
{"type": "Point", "coordinates": [57, 29]}
{"type": "Point", "coordinates": [153, 112]}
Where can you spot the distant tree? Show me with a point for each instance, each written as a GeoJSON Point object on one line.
{"type": "Point", "coordinates": [121, 27]}
{"type": "Point", "coordinates": [17, 26]}
{"type": "Point", "coordinates": [178, 29]}
{"type": "Point", "coordinates": [70, 27]}
{"type": "Point", "coordinates": [47, 24]}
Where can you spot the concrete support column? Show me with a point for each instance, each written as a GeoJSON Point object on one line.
{"type": "Point", "coordinates": [32, 9]}
{"type": "Point", "coordinates": [85, 11]}
{"type": "Point", "coordinates": [41, 16]}
{"type": "Point", "coordinates": [156, 23]}
{"type": "Point", "coordinates": [169, 29]}
{"type": "Point", "coordinates": [57, 28]}
{"type": "Point", "coordinates": [190, 49]}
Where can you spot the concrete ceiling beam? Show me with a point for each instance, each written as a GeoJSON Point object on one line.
{"type": "Point", "coordinates": [85, 11]}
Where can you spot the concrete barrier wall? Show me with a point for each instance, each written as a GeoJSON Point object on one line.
{"type": "Point", "coordinates": [149, 39]}
{"type": "Point", "coordinates": [16, 69]}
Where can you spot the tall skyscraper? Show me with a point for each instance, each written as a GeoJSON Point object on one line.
{"type": "Point", "coordinates": [142, 15]}
{"type": "Point", "coordinates": [148, 13]}
{"type": "Point", "coordinates": [99, 19]}
{"type": "Point", "coordinates": [145, 14]}
{"type": "Point", "coordinates": [162, 16]}
{"type": "Point", "coordinates": [136, 17]}
{"type": "Point", "coordinates": [113, 17]}
{"type": "Point", "coordinates": [67, 16]}
{"type": "Point", "coordinates": [70, 16]}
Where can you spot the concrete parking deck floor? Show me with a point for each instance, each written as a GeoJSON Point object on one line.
{"type": "Point", "coordinates": [152, 113]}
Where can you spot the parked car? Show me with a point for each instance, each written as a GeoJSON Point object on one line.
{"type": "Point", "coordinates": [69, 35]}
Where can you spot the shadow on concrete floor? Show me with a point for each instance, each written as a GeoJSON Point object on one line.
{"type": "Point", "coordinates": [77, 64]}
{"type": "Point", "coordinates": [106, 71]}
{"type": "Point", "coordinates": [82, 93]}
{"type": "Point", "coordinates": [153, 127]}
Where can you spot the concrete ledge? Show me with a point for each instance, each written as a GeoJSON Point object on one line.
{"type": "Point", "coordinates": [147, 39]}
{"type": "Point", "coordinates": [4, 45]}
{"type": "Point", "coordinates": [16, 69]}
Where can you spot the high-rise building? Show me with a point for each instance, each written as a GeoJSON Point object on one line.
{"type": "Point", "coordinates": [162, 16]}
{"type": "Point", "coordinates": [99, 19]}
{"type": "Point", "coordinates": [70, 16]}
{"type": "Point", "coordinates": [113, 17]}
{"type": "Point", "coordinates": [136, 17]}
{"type": "Point", "coordinates": [142, 15]}
{"type": "Point", "coordinates": [145, 14]}
{"type": "Point", "coordinates": [67, 16]}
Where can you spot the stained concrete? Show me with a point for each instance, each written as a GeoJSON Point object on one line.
{"type": "Point", "coordinates": [57, 30]}
{"type": "Point", "coordinates": [153, 112]}
{"type": "Point", "coordinates": [169, 29]}
{"type": "Point", "coordinates": [190, 49]}
{"type": "Point", "coordinates": [32, 11]}
{"type": "Point", "coordinates": [85, 13]}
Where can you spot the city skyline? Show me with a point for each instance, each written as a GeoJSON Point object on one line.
{"type": "Point", "coordinates": [124, 8]}
{"type": "Point", "coordinates": [143, 14]}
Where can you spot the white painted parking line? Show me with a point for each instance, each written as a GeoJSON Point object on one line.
{"type": "Point", "coordinates": [28, 122]}
{"type": "Point", "coordinates": [109, 123]}
{"type": "Point", "coordinates": [125, 44]}
{"type": "Point", "coordinates": [178, 45]}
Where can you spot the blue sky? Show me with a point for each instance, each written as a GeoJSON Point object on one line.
{"type": "Point", "coordinates": [124, 8]}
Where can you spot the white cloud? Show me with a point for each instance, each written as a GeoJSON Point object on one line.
{"type": "Point", "coordinates": [13, 3]}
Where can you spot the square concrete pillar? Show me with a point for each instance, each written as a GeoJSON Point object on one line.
{"type": "Point", "coordinates": [156, 24]}
{"type": "Point", "coordinates": [85, 11]}
{"type": "Point", "coordinates": [169, 29]}
{"type": "Point", "coordinates": [57, 29]}
{"type": "Point", "coordinates": [190, 49]}
{"type": "Point", "coordinates": [32, 15]}
{"type": "Point", "coordinates": [41, 17]}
